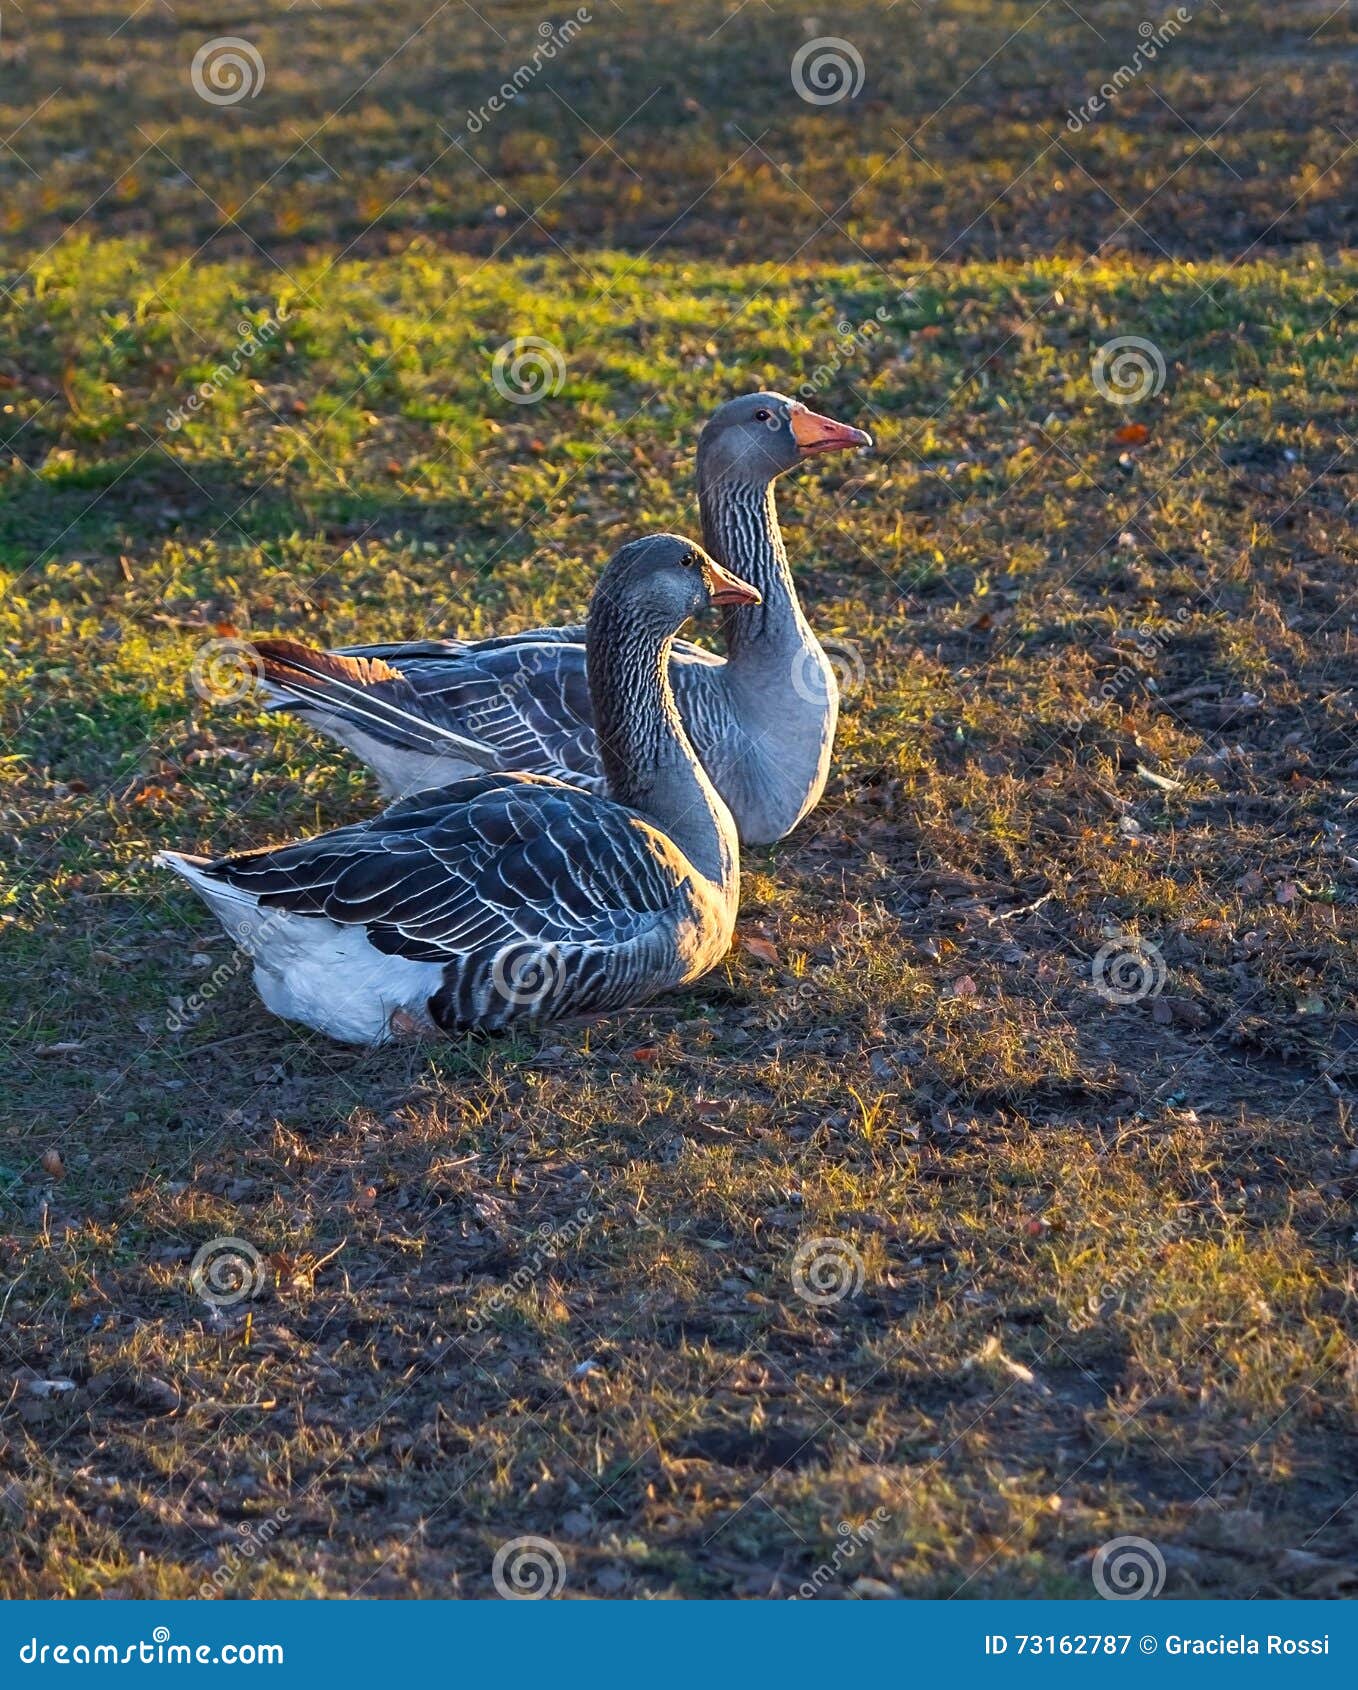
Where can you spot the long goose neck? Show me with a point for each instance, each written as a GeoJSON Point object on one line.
{"type": "Point", "coordinates": [740, 529]}
{"type": "Point", "coordinates": [648, 761]}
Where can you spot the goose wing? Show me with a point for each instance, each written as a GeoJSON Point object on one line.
{"type": "Point", "coordinates": [366, 692]}
{"type": "Point", "coordinates": [487, 862]}
{"type": "Point", "coordinates": [523, 700]}
{"type": "Point", "coordinates": [401, 651]}
{"type": "Point", "coordinates": [397, 650]}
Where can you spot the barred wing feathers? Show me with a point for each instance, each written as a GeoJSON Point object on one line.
{"type": "Point", "coordinates": [486, 862]}
{"type": "Point", "coordinates": [526, 696]}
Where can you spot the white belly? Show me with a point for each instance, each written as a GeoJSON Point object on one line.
{"type": "Point", "coordinates": [330, 978]}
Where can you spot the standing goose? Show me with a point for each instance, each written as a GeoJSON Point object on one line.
{"type": "Point", "coordinates": [762, 720]}
{"type": "Point", "coordinates": [508, 898]}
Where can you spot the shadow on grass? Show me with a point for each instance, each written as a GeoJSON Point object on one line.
{"type": "Point", "coordinates": [96, 509]}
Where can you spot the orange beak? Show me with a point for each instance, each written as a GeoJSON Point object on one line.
{"type": "Point", "coordinates": [725, 588]}
{"type": "Point", "coordinates": [815, 433]}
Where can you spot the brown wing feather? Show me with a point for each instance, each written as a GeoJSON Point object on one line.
{"type": "Point", "coordinates": [363, 690]}
{"type": "Point", "coordinates": [284, 659]}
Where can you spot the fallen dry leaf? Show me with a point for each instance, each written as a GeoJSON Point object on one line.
{"type": "Point", "coordinates": [874, 1590]}
{"type": "Point", "coordinates": [763, 949]}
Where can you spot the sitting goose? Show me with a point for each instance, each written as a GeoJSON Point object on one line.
{"type": "Point", "coordinates": [509, 898]}
{"type": "Point", "coordinates": [762, 720]}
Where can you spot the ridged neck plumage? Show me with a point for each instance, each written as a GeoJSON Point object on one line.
{"type": "Point", "coordinates": [740, 529]}
{"type": "Point", "coordinates": [648, 760]}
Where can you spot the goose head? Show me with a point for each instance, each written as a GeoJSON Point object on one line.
{"type": "Point", "coordinates": [760, 436]}
{"type": "Point", "coordinates": [657, 583]}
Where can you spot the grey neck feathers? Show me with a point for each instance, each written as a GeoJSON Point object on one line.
{"type": "Point", "coordinates": [740, 529]}
{"type": "Point", "coordinates": [648, 760]}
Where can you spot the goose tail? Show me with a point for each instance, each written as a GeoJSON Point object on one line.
{"type": "Point", "coordinates": [193, 869]}
{"type": "Point", "coordinates": [360, 692]}
{"type": "Point", "coordinates": [238, 911]}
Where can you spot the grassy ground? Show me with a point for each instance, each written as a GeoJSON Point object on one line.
{"type": "Point", "coordinates": [1099, 732]}
{"type": "Point", "coordinates": [364, 130]}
